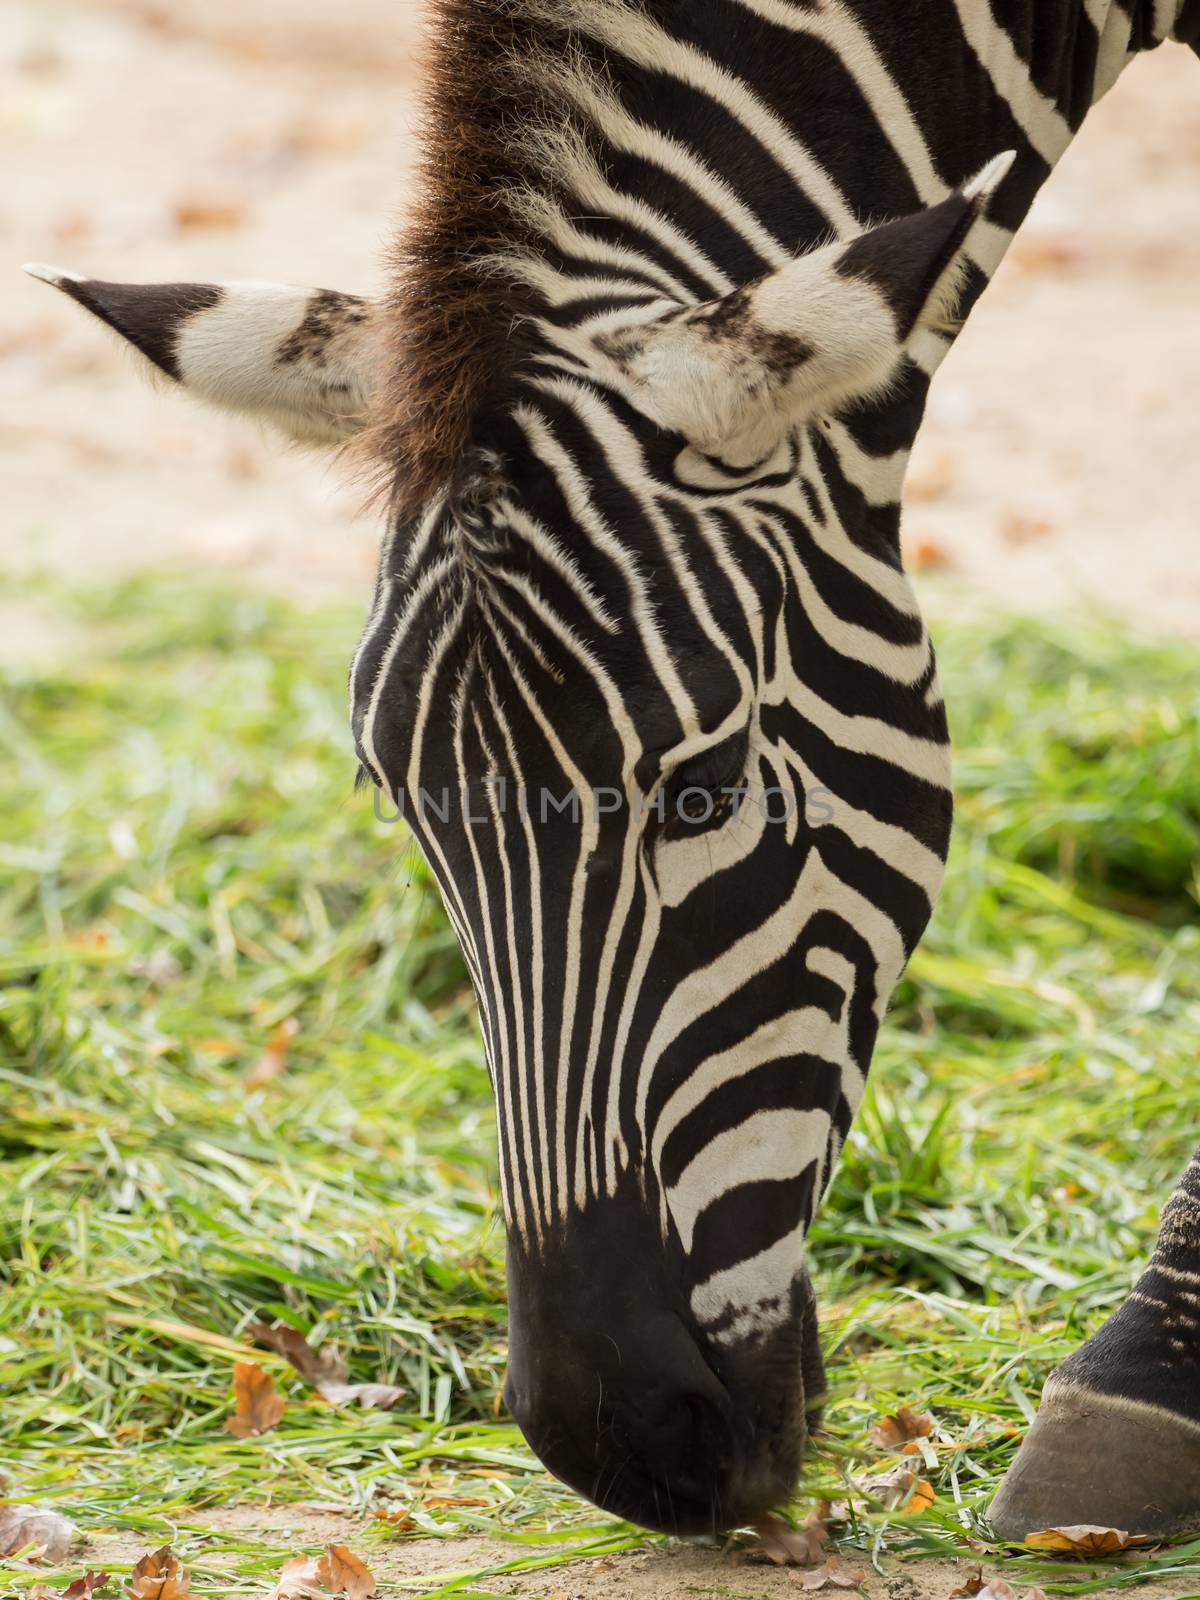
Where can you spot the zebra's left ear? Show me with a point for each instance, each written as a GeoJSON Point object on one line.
{"type": "Point", "coordinates": [734, 374]}
{"type": "Point", "coordinates": [301, 359]}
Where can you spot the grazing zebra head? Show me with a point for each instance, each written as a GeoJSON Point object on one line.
{"type": "Point", "coordinates": [643, 670]}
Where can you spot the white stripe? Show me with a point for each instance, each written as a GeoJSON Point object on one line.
{"type": "Point", "coordinates": [498, 990]}
{"type": "Point", "coordinates": [768, 1147]}
{"type": "Point", "coordinates": [805, 1031]}
{"type": "Point", "coordinates": [707, 988]}
{"type": "Point", "coordinates": [1043, 124]}
{"type": "Point", "coordinates": [903, 663]}
{"type": "Point", "coordinates": [855, 49]}
{"type": "Point", "coordinates": [757, 1290]}
{"type": "Point", "coordinates": [632, 34]}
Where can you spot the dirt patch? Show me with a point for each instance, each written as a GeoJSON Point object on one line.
{"type": "Point", "coordinates": [665, 1572]}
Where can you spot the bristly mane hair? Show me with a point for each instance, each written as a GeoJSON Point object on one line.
{"type": "Point", "coordinates": [450, 319]}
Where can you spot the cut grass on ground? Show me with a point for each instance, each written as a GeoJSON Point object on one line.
{"type": "Point", "coordinates": [190, 890]}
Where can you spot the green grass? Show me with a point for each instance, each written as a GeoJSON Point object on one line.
{"type": "Point", "coordinates": [185, 870]}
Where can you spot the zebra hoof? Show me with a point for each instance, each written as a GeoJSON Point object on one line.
{"type": "Point", "coordinates": [1097, 1459]}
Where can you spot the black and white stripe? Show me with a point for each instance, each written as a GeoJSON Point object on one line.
{"type": "Point", "coordinates": [598, 603]}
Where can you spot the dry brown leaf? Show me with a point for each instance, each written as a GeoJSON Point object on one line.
{"type": "Point", "coordinates": [204, 213]}
{"type": "Point", "coordinates": [399, 1517]}
{"type": "Point", "coordinates": [924, 553]}
{"type": "Point", "coordinates": [1049, 252]}
{"type": "Point", "coordinates": [1084, 1538]}
{"type": "Point", "coordinates": [259, 1405]}
{"type": "Point", "coordinates": [337, 1571]}
{"type": "Point", "coordinates": [898, 1490]}
{"type": "Point", "coordinates": [218, 1047]}
{"type": "Point", "coordinates": [833, 1575]}
{"type": "Point", "coordinates": [792, 1547]}
{"type": "Point", "coordinates": [923, 1496]}
{"type": "Point", "coordinates": [931, 482]}
{"type": "Point", "coordinates": [341, 1572]}
{"type": "Point", "coordinates": [272, 1063]}
{"type": "Point", "coordinates": [82, 1588]}
{"type": "Point", "coordinates": [1026, 527]}
{"type": "Point", "coordinates": [159, 1576]}
{"type": "Point", "coordinates": [970, 1585]}
{"type": "Point", "coordinates": [47, 1530]}
{"type": "Point", "coordinates": [900, 1428]}
{"type": "Point", "coordinates": [324, 1369]}
{"type": "Point", "coordinates": [297, 1577]}
{"type": "Point", "coordinates": [370, 1396]}
{"type": "Point", "coordinates": [314, 1366]}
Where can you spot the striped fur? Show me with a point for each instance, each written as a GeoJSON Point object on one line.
{"type": "Point", "coordinates": [648, 451]}
{"type": "Point", "coordinates": [660, 341]}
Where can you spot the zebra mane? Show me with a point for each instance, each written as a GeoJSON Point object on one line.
{"type": "Point", "coordinates": [459, 298]}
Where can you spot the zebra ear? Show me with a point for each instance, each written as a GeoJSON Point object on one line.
{"type": "Point", "coordinates": [828, 328]}
{"type": "Point", "coordinates": [302, 359]}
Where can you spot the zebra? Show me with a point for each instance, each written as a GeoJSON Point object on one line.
{"type": "Point", "coordinates": [645, 674]}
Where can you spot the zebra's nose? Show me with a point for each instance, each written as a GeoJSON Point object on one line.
{"type": "Point", "coordinates": [665, 1462]}
{"type": "Point", "coordinates": [641, 1427]}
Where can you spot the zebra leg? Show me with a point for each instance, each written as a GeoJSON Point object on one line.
{"type": "Point", "coordinates": [1117, 1439]}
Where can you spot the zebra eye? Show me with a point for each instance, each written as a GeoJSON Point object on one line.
{"type": "Point", "coordinates": [695, 796]}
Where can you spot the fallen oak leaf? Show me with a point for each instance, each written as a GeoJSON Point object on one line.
{"type": "Point", "coordinates": [324, 1369]}
{"type": "Point", "coordinates": [923, 552]}
{"type": "Point", "coordinates": [272, 1063]}
{"type": "Point", "coordinates": [970, 1586]}
{"type": "Point", "coordinates": [791, 1547]}
{"type": "Point", "coordinates": [159, 1576]}
{"type": "Point", "coordinates": [932, 480]}
{"type": "Point", "coordinates": [297, 1577]}
{"type": "Point", "coordinates": [337, 1571]}
{"type": "Point", "coordinates": [82, 1588]}
{"type": "Point", "coordinates": [1085, 1538]}
{"type": "Point", "coordinates": [922, 1497]}
{"type": "Point", "coordinates": [205, 213]}
{"type": "Point", "coordinates": [898, 1490]}
{"type": "Point", "coordinates": [833, 1575]}
{"type": "Point", "coordinates": [342, 1572]}
{"type": "Point", "coordinates": [314, 1366]}
{"type": "Point", "coordinates": [369, 1396]}
{"type": "Point", "coordinates": [1026, 527]}
{"type": "Point", "coordinates": [43, 1528]}
{"type": "Point", "coordinates": [891, 1489]}
{"type": "Point", "coordinates": [259, 1405]}
{"type": "Point", "coordinates": [400, 1519]}
{"type": "Point", "coordinates": [900, 1428]}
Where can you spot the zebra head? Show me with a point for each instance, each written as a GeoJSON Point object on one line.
{"type": "Point", "coordinates": [649, 685]}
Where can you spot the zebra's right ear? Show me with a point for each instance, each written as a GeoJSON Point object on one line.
{"type": "Point", "coordinates": [733, 375]}
{"type": "Point", "coordinates": [303, 360]}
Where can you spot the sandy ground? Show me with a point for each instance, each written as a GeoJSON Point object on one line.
{"type": "Point", "coordinates": [149, 139]}
{"type": "Point", "coordinates": [675, 1571]}
{"type": "Point", "coordinates": [273, 138]}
